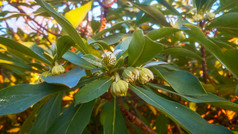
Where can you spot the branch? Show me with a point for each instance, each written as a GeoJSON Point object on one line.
{"type": "Point", "coordinates": [180, 131]}
{"type": "Point", "coordinates": [204, 62]}
{"type": "Point", "coordinates": [28, 17]}
{"type": "Point", "coordinates": [135, 120]}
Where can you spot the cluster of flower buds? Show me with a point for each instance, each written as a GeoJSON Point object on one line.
{"type": "Point", "coordinates": [57, 69]}
{"type": "Point", "coordinates": [119, 87]}
{"type": "Point", "coordinates": [210, 16]}
{"type": "Point", "coordinates": [109, 59]}
{"type": "Point", "coordinates": [143, 75]}
{"type": "Point", "coordinates": [197, 17]}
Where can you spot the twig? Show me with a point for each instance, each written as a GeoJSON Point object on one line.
{"type": "Point", "coordinates": [104, 14]}
{"type": "Point", "coordinates": [15, 35]}
{"type": "Point", "coordinates": [32, 19]}
{"type": "Point", "coordinates": [204, 62]}
{"type": "Point", "coordinates": [135, 120]}
{"type": "Point", "coordinates": [179, 129]}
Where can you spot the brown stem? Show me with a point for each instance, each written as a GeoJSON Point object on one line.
{"type": "Point", "coordinates": [203, 54]}
{"type": "Point", "coordinates": [106, 5]}
{"type": "Point", "coordinates": [15, 35]}
{"type": "Point", "coordinates": [32, 19]}
{"type": "Point", "coordinates": [135, 120]}
{"type": "Point", "coordinates": [204, 64]}
{"type": "Point", "coordinates": [104, 15]}
{"type": "Point", "coordinates": [179, 129]}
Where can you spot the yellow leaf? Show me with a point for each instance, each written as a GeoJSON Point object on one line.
{"type": "Point", "coordinates": [13, 130]}
{"type": "Point", "coordinates": [76, 16]}
{"type": "Point", "coordinates": [154, 111]}
{"type": "Point", "coordinates": [192, 106]}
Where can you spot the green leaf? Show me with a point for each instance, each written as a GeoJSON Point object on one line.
{"type": "Point", "coordinates": [4, 13]}
{"type": "Point", "coordinates": [77, 15]}
{"type": "Point", "coordinates": [73, 120]}
{"type": "Point", "coordinates": [161, 123]}
{"type": "Point", "coordinates": [77, 60]}
{"type": "Point", "coordinates": [41, 12]}
{"type": "Point", "coordinates": [182, 82]}
{"type": "Point", "coordinates": [65, 24]}
{"type": "Point", "coordinates": [226, 5]}
{"type": "Point", "coordinates": [116, 26]}
{"type": "Point", "coordinates": [101, 43]}
{"type": "Point", "coordinates": [63, 45]}
{"type": "Point", "coordinates": [209, 98]}
{"type": "Point", "coordinates": [113, 121]}
{"type": "Point", "coordinates": [167, 5]}
{"type": "Point", "coordinates": [203, 5]}
{"type": "Point", "coordinates": [227, 57]}
{"type": "Point", "coordinates": [38, 50]}
{"type": "Point", "coordinates": [92, 90]}
{"type": "Point", "coordinates": [18, 98]}
{"type": "Point", "coordinates": [226, 21]}
{"type": "Point", "coordinates": [13, 16]}
{"type": "Point", "coordinates": [47, 114]}
{"type": "Point", "coordinates": [26, 126]}
{"type": "Point", "coordinates": [113, 39]}
{"type": "Point", "coordinates": [214, 100]}
{"type": "Point", "coordinates": [70, 78]}
{"type": "Point", "coordinates": [123, 45]}
{"type": "Point", "coordinates": [142, 49]}
{"type": "Point", "coordinates": [162, 32]}
{"type": "Point", "coordinates": [5, 59]}
{"type": "Point", "coordinates": [182, 52]}
{"type": "Point", "coordinates": [93, 60]}
{"type": "Point", "coordinates": [154, 12]}
{"type": "Point", "coordinates": [22, 49]}
{"type": "Point", "coordinates": [151, 49]}
{"type": "Point", "coordinates": [186, 118]}
{"type": "Point", "coordinates": [136, 47]}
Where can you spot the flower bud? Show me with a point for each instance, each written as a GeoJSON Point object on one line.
{"type": "Point", "coordinates": [45, 74]}
{"type": "Point", "coordinates": [197, 18]}
{"type": "Point", "coordinates": [57, 69]}
{"type": "Point", "coordinates": [145, 75]}
{"type": "Point", "coordinates": [130, 74]}
{"type": "Point", "coordinates": [210, 16]}
{"type": "Point", "coordinates": [119, 88]}
{"type": "Point", "coordinates": [109, 58]}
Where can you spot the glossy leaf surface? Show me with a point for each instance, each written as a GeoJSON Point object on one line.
{"type": "Point", "coordinates": [47, 114]}
{"type": "Point", "coordinates": [73, 120]}
{"type": "Point", "coordinates": [182, 82]}
{"type": "Point", "coordinates": [113, 121]}
{"type": "Point", "coordinates": [70, 78]}
{"type": "Point", "coordinates": [92, 90]}
{"type": "Point", "coordinates": [18, 98]}
{"type": "Point", "coordinates": [180, 114]}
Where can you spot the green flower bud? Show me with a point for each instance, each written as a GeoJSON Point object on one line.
{"type": "Point", "coordinates": [109, 58]}
{"type": "Point", "coordinates": [45, 74]}
{"type": "Point", "coordinates": [210, 16]}
{"type": "Point", "coordinates": [145, 75]}
{"type": "Point", "coordinates": [57, 69]}
{"type": "Point", "coordinates": [197, 18]}
{"type": "Point", "coordinates": [119, 88]}
{"type": "Point", "coordinates": [130, 74]}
